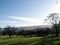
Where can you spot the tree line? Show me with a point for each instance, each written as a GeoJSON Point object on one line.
{"type": "Point", "coordinates": [53, 18]}
{"type": "Point", "coordinates": [10, 31]}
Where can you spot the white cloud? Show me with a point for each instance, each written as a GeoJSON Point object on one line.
{"type": "Point", "coordinates": [8, 22]}
{"type": "Point", "coordinates": [30, 21]}
{"type": "Point", "coordinates": [26, 19]}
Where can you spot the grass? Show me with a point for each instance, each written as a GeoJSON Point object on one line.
{"type": "Point", "coordinates": [4, 40]}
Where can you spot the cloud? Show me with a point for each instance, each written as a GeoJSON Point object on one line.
{"type": "Point", "coordinates": [16, 24]}
{"type": "Point", "coordinates": [30, 21]}
{"type": "Point", "coordinates": [8, 22]}
{"type": "Point", "coordinates": [27, 19]}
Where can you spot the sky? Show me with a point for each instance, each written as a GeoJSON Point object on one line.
{"type": "Point", "coordinates": [26, 12]}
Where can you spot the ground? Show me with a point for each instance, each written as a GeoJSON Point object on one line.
{"type": "Point", "coordinates": [4, 40]}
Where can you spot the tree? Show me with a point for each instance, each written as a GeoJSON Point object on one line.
{"type": "Point", "coordinates": [21, 32]}
{"type": "Point", "coordinates": [29, 33]}
{"type": "Point", "coordinates": [8, 31]}
{"type": "Point", "coordinates": [54, 20]}
{"type": "Point", "coordinates": [0, 31]}
{"type": "Point", "coordinates": [13, 30]}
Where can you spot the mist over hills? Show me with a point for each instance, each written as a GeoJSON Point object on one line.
{"type": "Point", "coordinates": [34, 27]}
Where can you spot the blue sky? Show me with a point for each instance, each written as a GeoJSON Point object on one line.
{"type": "Point", "coordinates": [24, 12]}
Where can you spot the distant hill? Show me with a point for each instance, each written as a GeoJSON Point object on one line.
{"type": "Point", "coordinates": [34, 27]}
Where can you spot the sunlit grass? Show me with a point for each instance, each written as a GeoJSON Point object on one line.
{"type": "Point", "coordinates": [5, 40]}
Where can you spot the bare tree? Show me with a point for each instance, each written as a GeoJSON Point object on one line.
{"type": "Point", "coordinates": [8, 31]}
{"type": "Point", "coordinates": [0, 31]}
{"type": "Point", "coordinates": [54, 20]}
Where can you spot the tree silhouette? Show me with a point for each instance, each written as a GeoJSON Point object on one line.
{"type": "Point", "coordinates": [54, 20]}
{"type": "Point", "coordinates": [0, 31]}
{"type": "Point", "coordinates": [8, 31]}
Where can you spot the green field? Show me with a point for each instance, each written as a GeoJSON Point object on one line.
{"type": "Point", "coordinates": [4, 40]}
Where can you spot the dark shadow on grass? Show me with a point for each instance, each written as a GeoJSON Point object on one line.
{"type": "Point", "coordinates": [3, 43]}
{"type": "Point", "coordinates": [48, 41]}
{"type": "Point", "coordinates": [58, 44]}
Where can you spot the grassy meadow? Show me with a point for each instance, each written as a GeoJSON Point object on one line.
{"type": "Point", "coordinates": [4, 40]}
